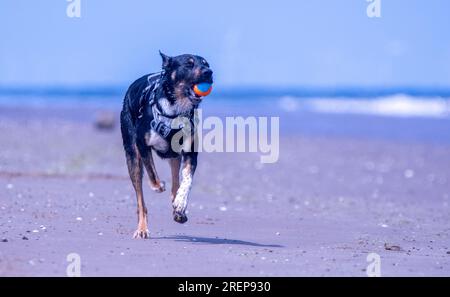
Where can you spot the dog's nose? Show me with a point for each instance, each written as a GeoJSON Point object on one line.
{"type": "Point", "coordinates": [207, 72]}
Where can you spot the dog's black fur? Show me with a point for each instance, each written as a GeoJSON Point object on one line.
{"type": "Point", "coordinates": [173, 98]}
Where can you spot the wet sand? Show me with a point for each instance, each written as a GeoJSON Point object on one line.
{"type": "Point", "coordinates": [319, 211]}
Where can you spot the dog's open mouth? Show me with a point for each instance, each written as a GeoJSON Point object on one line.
{"type": "Point", "coordinates": [194, 97]}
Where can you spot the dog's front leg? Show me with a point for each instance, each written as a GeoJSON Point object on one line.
{"type": "Point", "coordinates": [181, 199]}
{"type": "Point", "coordinates": [156, 184]}
{"type": "Point", "coordinates": [175, 165]}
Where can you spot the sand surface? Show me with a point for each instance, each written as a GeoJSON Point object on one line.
{"type": "Point", "coordinates": [319, 211]}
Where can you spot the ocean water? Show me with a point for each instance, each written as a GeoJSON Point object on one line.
{"type": "Point", "coordinates": [399, 115]}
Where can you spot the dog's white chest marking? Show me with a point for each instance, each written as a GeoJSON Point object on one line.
{"type": "Point", "coordinates": [181, 200]}
{"type": "Point", "coordinates": [166, 107]}
{"type": "Point", "coordinates": [154, 140]}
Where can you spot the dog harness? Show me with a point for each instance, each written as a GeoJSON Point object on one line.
{"type": "Point", "coordinates": [162, 124]}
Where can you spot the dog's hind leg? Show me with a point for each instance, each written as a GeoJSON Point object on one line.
{"type": "Point", "coordinates": [136, 172]}
{"type": "Point", "coordinates": [147, 158]}
{"type": "Point", "coordinates": [135, 169]}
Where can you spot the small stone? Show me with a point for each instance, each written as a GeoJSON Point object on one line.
{"type": "Point", "coordinates": [409, 173]}
{"type": "Point", "coordinates": [394, 248]}
{"type": "Point", "coordinates": [223, 208]}
{"type": "Point", "coordinates": [4, 240]}
{"type": "Point", "coordinates": [24, 238]}
{"type": "Point", "coordinates": [79, 219]}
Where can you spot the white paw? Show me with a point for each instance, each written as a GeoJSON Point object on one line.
{"type": "Point", "coordinates": [180, 202]}
{"type": "Point", "coordinates": [161, 187]}
{"type": "Point", "coordinates": [178, 206]}
{"type": "Point", "coordinates": [141, 234]}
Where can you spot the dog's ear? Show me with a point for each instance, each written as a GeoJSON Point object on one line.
{"type": "Point", "coordinates": [166, 61]}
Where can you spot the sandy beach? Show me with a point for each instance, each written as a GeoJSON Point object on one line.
{"type": "Point", "coordinates": [330, 200]}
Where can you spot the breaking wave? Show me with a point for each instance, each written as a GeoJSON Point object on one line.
{"type": "Point", "coordinates": [393, 106]}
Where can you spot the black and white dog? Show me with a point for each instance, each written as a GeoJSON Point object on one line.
{"type": "Point", "coordinates": [151, 105]}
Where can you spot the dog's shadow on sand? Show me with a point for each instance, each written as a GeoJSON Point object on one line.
{"type": "Point", "coordinates": [216, 240]}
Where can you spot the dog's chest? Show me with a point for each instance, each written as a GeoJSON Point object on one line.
{"type": "Point", "coordinates": [161, 143]}
{"type": "Point", "coordinates": [155, 141]}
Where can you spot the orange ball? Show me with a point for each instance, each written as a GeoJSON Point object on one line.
{"type": "Point", "coordinates": [203, 89]}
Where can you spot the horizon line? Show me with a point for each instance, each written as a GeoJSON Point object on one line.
{"type": "Point", "coordinates": [237, 91]}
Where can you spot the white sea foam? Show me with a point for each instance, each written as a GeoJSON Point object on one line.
{"type": "Point", "coordinates": [289, 103]}
{"type": "Point", "coordinates": [394, 106]}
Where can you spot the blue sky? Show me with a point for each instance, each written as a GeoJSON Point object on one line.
{"type": "Point", "coordinates": [248, 43]}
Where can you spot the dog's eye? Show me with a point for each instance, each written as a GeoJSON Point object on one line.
{"type": "Point", "coordinates": [190, 63]}
{"type": "Point", "coordinates": [205, 63]}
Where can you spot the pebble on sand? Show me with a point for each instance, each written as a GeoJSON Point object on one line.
{"type": "Point", "coordinates": [394, 248]}
{"type": "Point", "coordinates": [409, 173]}
{"type": "Point", "coordinates": [79, 219]}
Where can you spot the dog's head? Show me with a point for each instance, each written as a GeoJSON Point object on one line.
{"type": "Point", "coordinates": [181, 74]}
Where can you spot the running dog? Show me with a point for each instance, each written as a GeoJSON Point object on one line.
{"type": "Point", "coordinates": [150, 108]}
